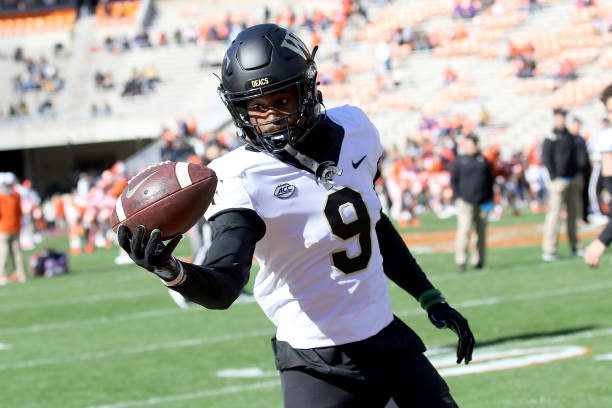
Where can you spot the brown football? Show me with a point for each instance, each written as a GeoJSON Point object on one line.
{"type": "Point", "coordinates": [170, 196]}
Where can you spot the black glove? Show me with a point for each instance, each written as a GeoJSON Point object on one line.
{"type": "Point", "coordinates": [442, 315]}
{"type": "Point", "coordinates": [150, 253]}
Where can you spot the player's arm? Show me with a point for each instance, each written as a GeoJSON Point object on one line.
{"type": "Point", "coordinates": [219, 281]}
{"type": "Point", "coordinates": [606, 235]}
{"type": "Point", "coordinates": [401, 267]}
{"type": "Point", "coordinates": [595, 250]}
{"type": "Point", "coordinates": [398, 263]}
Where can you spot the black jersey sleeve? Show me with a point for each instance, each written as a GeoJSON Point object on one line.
{"type": "Point", "coordinates": [217, 283]}
{"type": "Point", "coordinates": [398, 263]}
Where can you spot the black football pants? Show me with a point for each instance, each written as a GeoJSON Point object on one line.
{"type": "Point", "coordinates": [416, 385]}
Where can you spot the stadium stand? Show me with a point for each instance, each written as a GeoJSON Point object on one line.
{"type": "Point", "coordinates": [136, 84]}
{"type": "Point", "coordinates": [389, 57]}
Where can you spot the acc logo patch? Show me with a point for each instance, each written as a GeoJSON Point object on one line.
{"type": "Point", "coordinates": [284, 190]}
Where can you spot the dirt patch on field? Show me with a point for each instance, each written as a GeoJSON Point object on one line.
{"type": "Point", "coordinates": [498, 236]}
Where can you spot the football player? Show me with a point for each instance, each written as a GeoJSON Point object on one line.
{"type": "Point", "coordinates": [299, 195]}
{"type": "Point", "coordinates": [603, 145]}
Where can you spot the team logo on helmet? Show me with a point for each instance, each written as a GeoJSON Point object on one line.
{"type": "Point", "coordinates": [295, 44]}
{"type": "Point", "coordinates": [258, 83]}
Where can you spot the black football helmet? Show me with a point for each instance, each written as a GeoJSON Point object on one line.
{"type": "Point", "coordinates": [266, 58]}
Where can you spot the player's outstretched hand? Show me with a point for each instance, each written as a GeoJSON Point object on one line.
{"type": "Point", "coordinates": [442, 315]}
{"type": "Point", "coordinates": [593, 253]}
{"type": "Point", "coordinates": [149, 252]}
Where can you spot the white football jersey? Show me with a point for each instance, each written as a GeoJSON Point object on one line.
{"type": "Point", "coordinates": [603, 142]}
{"type": "Point", "coordinates": [320, 280]}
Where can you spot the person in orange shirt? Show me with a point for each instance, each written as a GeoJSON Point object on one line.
{"type": "Point", "coordinates": [10, 224]}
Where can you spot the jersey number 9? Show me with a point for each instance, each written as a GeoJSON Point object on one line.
{"type": "Point", "coordinates": [347, 215]}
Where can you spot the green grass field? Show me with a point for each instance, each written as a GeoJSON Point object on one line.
{"type": "Point", "coordinates": [110, 336]}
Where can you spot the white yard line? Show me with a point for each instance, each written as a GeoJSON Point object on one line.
{"type": "Point", "coordinates": [191, 396]}
{"type": "Point", "coordinates": [515, 360]}
{"type": "Point", "coordinates": [604, 357]}
{"type": "Point", "coordinates": [533, 296]}
{"type": "Point", "coordinates": [69, 324]}
{"type": "Point", "coordinates": [81, 279]}
{"type": "Point", "coordinates": [106, 296]}
{"type": "Point", "coordinates": [133, 350]}
{"type": "Point", "coordinates": [238, 336]}
{"type": "Point", "coordinates": [101, 297]}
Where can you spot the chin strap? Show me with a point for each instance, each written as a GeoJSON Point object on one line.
{"type": "Point", "coordinates": [324, 172]}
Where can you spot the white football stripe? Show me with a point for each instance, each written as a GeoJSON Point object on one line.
{"type": "Point", "coordinates": [166, 399]}
{"type": "Point", "coordinates": [604, 357]}
{"type": "Point", "coordinates": [497, 361]}
{"type": "Point", "coordinates": [119, 210]}
{"type": "Point", "coordinates": [148, 348]}
{"type": "Point", "coordinates": [182, 174]}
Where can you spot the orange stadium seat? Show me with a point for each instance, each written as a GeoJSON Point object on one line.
{"type": "Point", "coordinates": [576, 93]}
{"type": "Point", "coordinates": [59, 20]}
{"type": "Point", "coordinates": [535, 86]}
{"type": "Point", "coordinates": [120, 13]}
{"type": "Point", "coordinates": [605, 60]}
{"type": "Point", "coordinates": [508, 20]}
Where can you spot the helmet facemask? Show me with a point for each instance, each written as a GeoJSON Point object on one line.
{"type": "Point", "coordinates": [291, 127]}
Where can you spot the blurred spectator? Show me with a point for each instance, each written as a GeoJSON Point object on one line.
{"type": "Point", "coordinates": [561, 160]}
{"type": "Point", "coordinates": [178, 36]}
{"type": "Point", "coordinates": [520, 51]}
{"type": "Point", "coordinates": [59, 50]}
{"type": "Point", "coordinates": [266, 14]}
{"type": "Point", "coordinates": [151, 77]}
{"type": "Point", "coordinates": [566, 70]}
{"type": "Point", "coordinates": [46, 107]}
{"type": "Point", "coordinates": [134, 85]}
{"type": "Point", "coordinates": [472, 184]}
{"type": "Point", "coordinates": [339, 70]}
{"type": "Point", "coordinates": [526, 67]}
{"type": "Point", "coordinates": [18, 54]}
{"type": "Point", "coordinates": [142, 39]}
{"type": "Point", "coordinates": [536, 177]}
{"type": "Point", "coordinates": [465, 9]}
{"type": "Point", "coordinates": [450, 76]}
{"type": "Point", "coordinates": [141, 82]}
{"type": "Point", "coordinates": [162, 39]}
{"type": "Point", "coordinates": [39, 75]}
{"type": "Point", "coordinates": [383, 54]}
{"type": "Point", "coordinates": [10, 226]}
{"type": "Point", "coordinates": [584, 166]}
{"type": "Point", "coordinates": [421, 40]}
{"type": "Point", "coordinates": [104, 80]}
{"type": "Point", "coordinates": [485, 117]}
{"type": "Point", "coordinates": [22, 108]}
{"type": "Point", "coordinates": [31, 214]}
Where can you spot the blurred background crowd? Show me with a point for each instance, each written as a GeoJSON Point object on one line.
{"type": "Point", "coordinates": [138, 76]}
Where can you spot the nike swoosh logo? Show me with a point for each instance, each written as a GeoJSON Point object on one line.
{"type": "Point", "coordinates": [131, 191]}
{"type": "Point", "coordinates": [355, 165]}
